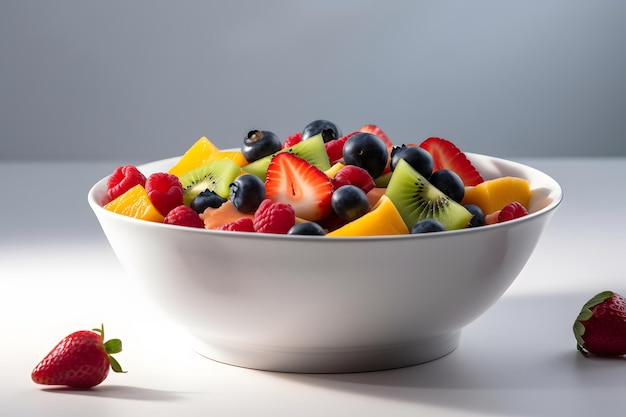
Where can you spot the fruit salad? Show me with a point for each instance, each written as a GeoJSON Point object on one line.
{"type": "Point", "coordinates": [320, 182]}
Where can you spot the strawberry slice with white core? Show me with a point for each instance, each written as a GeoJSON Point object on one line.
{"type": "Point", "coordinates": [376, 130]}
{"type": "Point", "coordinates": [291, 179]}
{"type": "Point", "coordinates": [447, 155]}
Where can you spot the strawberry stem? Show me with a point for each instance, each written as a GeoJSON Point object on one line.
{"type": "Point", "coordinates": [111, 346]}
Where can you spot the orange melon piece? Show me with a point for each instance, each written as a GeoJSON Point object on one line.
{"type": "Point", "coordinates": [224, 214]}
{"type": "Point", "coordinates": [493, 195]}
{"type": "Point", "coordinates": [374, 195]}
{"type": "Point", "coordinates": [198, 154]}
{"type": "Point", "coordinates": [135, 203]}
{"type": "Point", "coordinates": [382, 219]}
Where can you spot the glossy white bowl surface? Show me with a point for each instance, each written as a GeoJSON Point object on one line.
{"type": "Point", "coordinates": [318, 304]}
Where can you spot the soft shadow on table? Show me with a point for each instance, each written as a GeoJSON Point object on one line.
{"type": "Point", "coordinates": [534, 371]}
{"type": "Point", "coordinates": [124, 392]}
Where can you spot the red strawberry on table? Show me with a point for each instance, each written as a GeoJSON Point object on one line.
{"type": "Point", "coordinates": [80, 360]}
{"type": "Point", "coordinates": [292, 180]}
{"type": "Point", "coordinates": [447, 155]}
{"type": "Point", "coordinates": [600, 328]}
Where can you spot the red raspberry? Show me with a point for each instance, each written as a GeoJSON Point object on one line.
{"type": "Point", "coordinates": [123, 179]}
{"type": "Point", "coordinates": [334, 148]}
{"type": "Point", "coordinates": [292, 139]}
{"type": "Point", "coordinates": [354, 175]}
{"type": "Point", "coordinates": [274, 217]}
{"type": "Point", "coordinates": [243, 224]}
{"type": "Point", "coordinates": [511, 211]}
{"type": "Point", "coordinates": [184, 216]}
{"type": "Point", "coordinates": [165, 191]}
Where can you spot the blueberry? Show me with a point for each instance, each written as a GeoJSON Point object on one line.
{"type": "Point", "coordinates": [307, 228]}
{"type": "Point", "coordinates": [260, 143]}
{"type": "Point", "coordinates": [427, 226]}
{"type": "Point", "coordinates": [206, 199]}
{"type": "Point", "coordinates": [329, 130]}
{"type": "Point", "coordinates": [449, 183]}
{"type": "Point", "coordinates": [478, 217]}
{"type": "Point", "coordinates": [349, 202]}
{"type": "Point", "coordinates": [417, 157]}
{"type": "Point", "coordinates": [247, 192]}
{"type": "Point", "coordinates": [367, 151]}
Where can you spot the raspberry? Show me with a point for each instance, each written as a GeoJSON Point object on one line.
{"type": "Point", "coordinates": [292, 139]}
{"type": "Point", "coordinates": [243, 224]}
{"type": "Point", "coordinates": [334, 148]}
{"type": "Point", "coordinates": [274, 217]}
{"type": "Point", "coordinates": [354, 175]}
{"type": "Point", "coordinates": [165, 191]}
{"type": "Point", "coordinates": [511, 211]}
{"type": "Point", "coordinates": [184, 216]}
{"type": "Point", "coordinates": [123, 179]}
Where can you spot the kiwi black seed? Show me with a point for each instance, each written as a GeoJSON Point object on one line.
{"type": "Point", "coordinates": [312, 150]}
{"type": "Point", "coordinates": [416, 199]}
{"type": "Point", "coordinates": [214, 176]}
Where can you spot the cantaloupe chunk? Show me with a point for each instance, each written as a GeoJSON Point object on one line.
{"type": "Point", "coordinates": [135, 203]}
{"type": "Point", "coordinates": [492, 195]}
{"type": "Point", "coordinates": [382, 219]}
{"type": "Point", "coordinates": [374, 195]}
{"type": "Point", "coordinates": [198, 154]}
{"type": "Point", "coordinates": [224, 214]}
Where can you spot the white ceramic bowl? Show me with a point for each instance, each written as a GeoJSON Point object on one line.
{"type": "Point", "coordinates": [324, 305]}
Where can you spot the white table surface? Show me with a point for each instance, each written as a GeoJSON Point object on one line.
{"type": "Point", "coordinates": [58, 274]}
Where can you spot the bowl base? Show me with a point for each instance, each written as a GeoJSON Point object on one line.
{"type": "Point", "coordinates": [334, 360]}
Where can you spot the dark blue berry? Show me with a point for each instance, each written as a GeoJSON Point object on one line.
{"type": "Point", "coordinates": [449, 183]}
{"type": "Point", "coordinates": [367, 151]}
{"type": "Point", "coordinates": [427, 226]}
{"type": "Point", "coordinates": [260, 143]}
{"type": "Point", "coordinates": [329, 130]}
{"type": "Point", "coordinates": [417, 157]}
{"type": "Point", "coordinates": [247, 192]}
{"type": "Point", "coordinates": [478, 217]}
{"type": "Point", "coordinates": [349, 202]}
{"type": "Point", "coordinates": [206, 199]}
{"type": "Point", "coordinates": [307, 228]}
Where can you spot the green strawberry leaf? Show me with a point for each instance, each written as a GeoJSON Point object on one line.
{"type": "Point", "coordinates": [113, 346]}
{"type": "Point", "coordinates": [115, 365]}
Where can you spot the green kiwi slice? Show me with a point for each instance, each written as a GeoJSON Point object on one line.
{"type": "Point", "coordinates": [312, 150]}
{"type": "Point", "coordinates": [416, 199]}
{"type": "Point", "coordinates": [215, 176]}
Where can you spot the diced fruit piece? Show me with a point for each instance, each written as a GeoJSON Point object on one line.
{"type": "Point", "coordinates": [135, 203]}
{"type": "Point", "coordinates": [332, 171]}
{"type": "Point", "coordinates": [123, 179]}
{"type": "Point", "coordinates": [312, 150]}
{"type": "Point", "coordinates": [353, 175]}
{"type": "Point", "coordinates": [260, 143]}
{"type": "Point", "coordinates": [226, 213]}
{"type": "Point", "coordinates": [382, 219]}
{"type": "Point", "coordinates": [427, 226]}
{"type": "Point", "coordinates": [184, 216]}
{"type": "Point", "coordinates": [511, 211]}
{"type": "Point", "coordinates": [235, 156]}
{"type": "Point", "coordinates": [214, 176]}
{"type": "Point", "coordinates": [447, 155]}
{"type": "Point", "coordinates": [367, 151]}
{"type": "Point", "coordinates": [493, 195]}
{"type": "Point", "coordinates": [293, 180]}
{"type": "Point", "coordinates": [416, 199]}
{"type": "Point", "coordinates": [327, 129]}
{"type": "Point", "coordinates": [244, 224]}
{"type": "Point", "coordinates": [374, 195]}
{"type": "Point", "coordinates": [274, 217]}
{"type": "Point", "coordinates": [165, 191]}
{"type": "Point", "coordinates": [198, 154]}
{"type": "Point", "coordinates": [246, 193]}
{"type": "Point", "coordinates": [600, 327]}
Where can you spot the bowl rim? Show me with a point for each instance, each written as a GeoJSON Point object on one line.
{"type": "Point", "coordinates": [555, 192]}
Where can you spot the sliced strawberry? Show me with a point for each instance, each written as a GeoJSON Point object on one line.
{"type": "Point", "coordinates": [375, 130]}
{"type": "Point", "coordinates": [447, 155]}
{"type": "Point", "coordinates": [291, 179]}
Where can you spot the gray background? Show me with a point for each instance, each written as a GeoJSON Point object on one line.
{"type": "Point", "coordinates": [142, 80]}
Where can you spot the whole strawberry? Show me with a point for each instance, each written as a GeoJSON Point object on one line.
{"type": "Point", "coordinates": [80, 360]}
{"type": "Point", "coordinates": [600, 328]}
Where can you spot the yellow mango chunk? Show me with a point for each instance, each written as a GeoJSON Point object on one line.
{"type": "Point", "coordinates": [382, 219]}
{"type": "Point", "coordinates": [235, 156]}
{"type": "Point", "coordinates": [333, 170]}
{"type": "Point", "coordinates": [493, 195]}
{"type": "Point", "coordinates": [198, 154]}
{"type": "Point", "coordinates": [135, 203]}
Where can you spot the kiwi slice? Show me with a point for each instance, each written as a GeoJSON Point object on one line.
{"type": "Point", "coordinates": [311, 149]}
{"type": "Point", "coordinates": [416, 199]}
{"type": "Point", "coordinates": [215, 176]}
